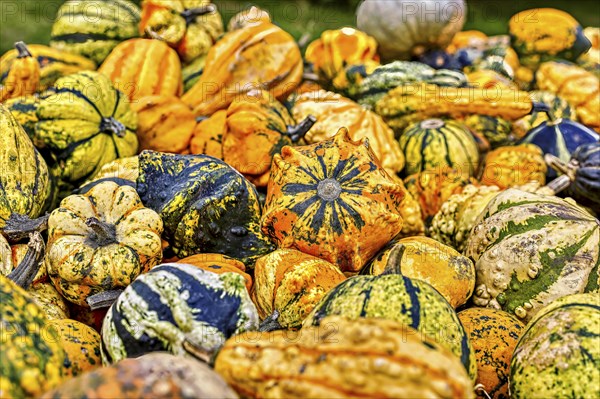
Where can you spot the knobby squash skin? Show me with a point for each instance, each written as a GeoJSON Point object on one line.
{"type": "Point", "coordinates": [332, 200]}
{"type": "Point", "coordinates": [514, 165]}
{"type": "Point", "coordinates": [342, 358]}
{"type": "Point", "coordinates": [81, 344]}
{"type": "Point", "coordinates": [219, 264]}
{"type": "Point", "coordinates": [175, 306]}
{"type": "Point", "coordinates": [32, 355]}
{"type": "Point", "coordinates": [412, 302]}
{"type": "Point", "coordinates": [23, 78]}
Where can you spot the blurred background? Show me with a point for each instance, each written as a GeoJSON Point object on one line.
{"type": "Point", "coordinates": [31, 20]}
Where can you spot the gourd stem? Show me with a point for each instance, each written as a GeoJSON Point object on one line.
{"type": "Point", "coordinates": [199, 353]}
{"type": "Point", "coordinates": [313, 77]}
{"type": "Point", "coordinates": [104, 233]}
{"type": "Point", "coordinates": [19, 226]}
{"type": "Point", "coordinates": [561, 166]}
{"type": "Point", "coordinates": [559, 184]}
{"type": "Point", "coordinates": [112, 126]}
{"type": "Point", "coordinates": [271, 323]}
{"type": "Point", "coordinates": [480, 391]}
{"type": "Point", "coordinates": [22, 50]}
{"type": "Point", "coordinates": [297, 132]}
{"type": "Point", "coordinates": [24, 274]}
{"type": "Point", "coordinates": [393, 264]}
{"type": "Point", "coordinates": [191, 14]}
{"type": "Point", "coordinates": [103, 299]}
{"type": "Point", "coordinates": [542, 107]}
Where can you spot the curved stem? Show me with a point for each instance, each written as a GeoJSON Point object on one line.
{"type": "Point", "coordinates": [153, 35]}
{"type": "Point", "coordinates": [297, 132]}
{"type": "Point", "coordinates": [103, 299]}
{"type": "Point", "coordinates": [559, 184]}
{"type": "Point", "coordinates": [24, 274]}
{"type": "Point", "coordinates": [19, 226]}
{"type": "Point", "coordinates": [542, 107]}
{"type": "Point", "coordinates": [191, 14]}
{"type": "Point", "coordinates": [394, 261]}
{"type": "Point", "coordinates": [271, 323]}
{"type": "Point", "coordinates": [199, 353]}
{"type": "Point", "coordinates": [104, 233]}
{"type": "Point", "coordinates": [113, 126]}
{"type": "Point", "coordinates": [480, 391]}
{"type": "Point", "coordinates": [22, 50]}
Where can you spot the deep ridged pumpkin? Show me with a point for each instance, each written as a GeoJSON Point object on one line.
{"type": "Point", "coordinates": [190, 27]}
{"type": "Point", "coordinates": [165, 123]}
{"type": "Point", "coordinates": [530, 249]}
{"type": "Point", "coordinates": [93, 30]}
{"type": "Point", "coordinates": [288, 285]}
{"type": "Point", "coordinates": [332, 200]}
{"type": "Point", "coordinates": [100, 241]}
{"type": "Point", "coordinates": [423, 258]}
{"type": "Point", "coordinates": [261, 56]}
{"type": "Point", "coordinates": [23, 78]}
{"type": "Point", "coordinates": [144, 67]}
{"type": "Point", "coordinates": [207, 137]}
{"type": "Point", "coordinates": [494, 335]}
{"type": "Point", "coordinates": [342, 358]}
{"type": "Point", "coordinates": [219, 264]}
{"type": "Point", "coordinates": [514, 165]}
{"type": "Point", "coordinates": [81, 344]}
{"type": "Point", "coordinates": [333, 111]}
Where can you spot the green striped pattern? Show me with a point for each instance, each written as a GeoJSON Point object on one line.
{"type": "Point", "coordinates": [530, 250]}
{"type": "Point", "coordinates": [412, 302]}
{"type": "Point", "coordinates": [93, 28]}
{"type": "Point", "coordinates": [558, 355]}
{"type": "Point", "coordinates": [434, 143]}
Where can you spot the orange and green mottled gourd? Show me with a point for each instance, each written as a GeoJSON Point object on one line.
{"type": "Point", "coordinates": [155, 375]}
{"type": "Point", "coordinates": [144, 67]}
{"type": "Point", "coordinates": [514, 165]}
{"type": "Point", "coordinates": [261, 56]}
{"type": "Point", "coordinates": [219, 264]}
{"type": "Point", "coordinates": [338, 48]}
{"type": "Point", "coordinates": [332, 200]}
{"type": "Point", "coordinates": [32, 355]}
{"type": "Point", "coordinates": [497, 131]}
{"type": "Point", "coordinates": [342, 358]}
{"type": "Point", "coordinates": [423, 258]}
{"type": "Point", "coordinates": [165, 123]}
{"type": "Point", "coordinates": [333, 111]}
{"type": "Point", "coordinates": [81, 344]}
{"type": "Point", "coordinates": [101, 240]}
{"type": "Point", "coordinates": [494, 335]}
{"type": "Point", "coordinates": [207, 137]}
{"type": "Point", "coordinates": [23, 77]}
{"type": "Point", "coordinates": [289, 283]}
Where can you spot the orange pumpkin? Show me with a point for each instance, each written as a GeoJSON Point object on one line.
{"type": "Point", "coordinates": [218, 263]}
{"type": "Point", "coordinates": [144, 67]}
{"type": "Point", "coordinates": [207, 137]}
{"type": "Point", "coordinates": [165, 123]}
{"type": "Point", "coordinates": [24, 75]}
{"type": "Point", "coordinates": [514, 165]}
{"type": "Point", "coordinates": [259, 56]}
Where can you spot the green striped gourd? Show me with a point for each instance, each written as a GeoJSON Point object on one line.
{"type": "Point", "coordinates": [439, 144]}
{"type": "Point", "coordinates": [558, 354]}
{"type": "Point", "coordinates": [412, 302]}
{"type": "Point", "coordinates": [530, 250]}
{"type": "Point", "coordinates": [497, 131]}
{"type": "Point", "coordinates": [179, 308]}
{"type": "Point", "coordinates": [93, 29]}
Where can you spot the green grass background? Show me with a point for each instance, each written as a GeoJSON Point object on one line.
{"type": "Point", "coordinates": [31, 20]}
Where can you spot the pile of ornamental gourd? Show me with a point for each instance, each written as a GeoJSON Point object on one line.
{"type": "Point", "coordinates": [196, 209]}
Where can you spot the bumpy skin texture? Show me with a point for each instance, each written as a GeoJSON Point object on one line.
{"type": "Point", "coordinates": [292, 283]}
{"type": "Point", "coordinates": [342, 358]}
{"type": "Point", "coordinates": [114, 21]}
{"type": "Point", "coordinates": [155, 375]}
{"type": "Point", "coordinates": [32, 355]}
{"type": "Point", "coordinates": [24, 181]}
{"type": "Point", "coordinates": [260, 56]}
{"type": "Point", "coordinates": [81, 344]}
{"type": "Point", "coordinates": [79, 261]}
{"type": "Point", "coordinates": [494, 335]}
{"type": "Point", "coordinates": [530, 250]}
{"type": "Point", "coordinates": [175, 304]}
{"type": "Point", "coordinates": [412, 302]}
{"type": "Point", "coordinates": [558, 354]}
{"type": "Point", "coordinates": [514, 165]}
{"type": "Point", "coordinates": [423, 258]}
{"type": "Point", "coordinates": [332, 200]}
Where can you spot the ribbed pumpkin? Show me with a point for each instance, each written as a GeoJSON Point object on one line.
{"type": "Point", "coordinates": [333, 111]}
{"type": "Point", "coordinates": [219, 264]}
{"type": "Point", "coordinates": [85, 123]}
{"type": "Point", "coordinates": [261, 56]}
{"type": "Point", "coordinates": [342, 358]}
{"type": "Point", "coordinates": [207, 137]}
{"type": "Point", "coordinates": [558, 354]}
{"type": "Point", "coordinates": [165, 123]}
{"type": "Point", "coordinates": [81, 344]}
{"type": "Point", "coordinates": [32, 356]}
{"type": "Point", "coordinates": [190, 27]}
{"type": "Point", "coordinates": [543, 34]}
{"type": "Point", "coordinates": [144, 67]}
{"type": "Point", "coordinates": [412, 302]}
{"type": "Point", "coordinates": [23, 78]}
{"type": "Point", "coordinates": [205, 204]}
{"type": "Point", "coordinates": [156, 375]}
{"type": "Point", "coordinates": [332, 200]}
{"type": "Point", "coordinates": [513, 166]}
{"type": "Point", "coordinates": [288, 285]}
{"type": "Point", "coordinates": [497, 131]}
{"type": "Point", "coordinates": [531, 249]}
{"type": "Point", "coordinates": [558, 108]}
{"type": "Point", "coordinates": [53, 63]}
{"type": "Point", "coordinates": [178, 308]}
{"type": "Point", "coordinates": [94, 30]}
{"type": "Point", "coordinates": [494, 335]}
{"type": "Point", "coordinates": [423, 258]}
{"type": "Point", "coordinates": [101, 241]}
{"type": "Point", "coordinates": [435, 144]}
{"type": "Point", "coordinates": [335, 49]}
